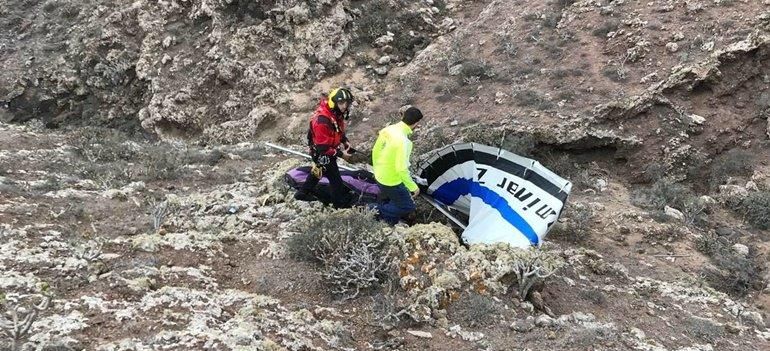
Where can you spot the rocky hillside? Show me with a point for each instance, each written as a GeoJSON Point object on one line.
{"type": "Point", "coordinates": [139, 210]}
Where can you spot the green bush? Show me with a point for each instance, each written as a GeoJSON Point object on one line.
{"type": "Point", "coordinates": [162, 162]}
{"type": "Point", "coordinates": [704, 329]}
{"type": "Point", "coordinates": [474, 310]}
{"type": "Point", "coordinates": [96, 144]}
{"type": "Point", "coordinates": [732, 272]}
{"type": "Point", "coordinates": [755, 208]}
{"type": "Point", "coordinates": [735, 162]}
{"type": "Point", "coordinates": [606, 27]}
{"type": "Point", "coordinates": [531, 98]}
{"type": "Point", "coordinates": [664, 192]}
{"type": "Point", "coordinates": [577, 228]}
{"type": "Point", "coordinates": [519, 144]}
{"type": "Point", "coordinates": [378, 18]}
{"type": "Point", "coordinates": [351, 247]}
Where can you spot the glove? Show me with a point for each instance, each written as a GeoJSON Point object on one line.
{"type": "Point", "coordinates": [317, 171]}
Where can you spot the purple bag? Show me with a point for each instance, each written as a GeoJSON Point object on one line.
{"type": "Point", "coordinates": [361, 183]}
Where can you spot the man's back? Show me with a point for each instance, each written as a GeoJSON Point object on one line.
{"type": "Point", "coordinates": [390, 155]}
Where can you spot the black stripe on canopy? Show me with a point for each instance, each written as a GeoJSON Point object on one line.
{"type": "Point", "coordinates": [450, 159]}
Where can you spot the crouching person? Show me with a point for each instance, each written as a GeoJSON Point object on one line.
{"type": "Point", "coordinates": [390, 159]}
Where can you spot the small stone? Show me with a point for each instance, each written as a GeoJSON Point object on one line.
{"type": "Point", "coordinates": [420, 334]}
{"type": "Point", "coordinates": [167, 41]}
{"type": "Point", "coordinates": [166, 59]}
{"type": "Point", "coordinates": [672, 47]}
{"type": "Point", "coordinates": [724, 231]}
{"type": "Point", "coordinates": [527, 306]}
{"type": "Point", "coordinates": [638, 333]}
{"type": "Point", "coordinates": [649, 78]}
{"type": "Point", "coordinates": [732, 329]}
{"type": "Point", "coordinates": [754, 317]}
{"type": "Point", "coordinates": [384, 40]}
{"type": "Point", "coordinates": [583, 317]}
{"type": "Point", "coordinates": [707, 46]}
{"type": "Point", "coordinates": [697, 119]}
{"type": "Point", "coordinates": [523, 325]}
{"type": "Point", "coordinates": [673, 213]}
{"type": "Point", "coordinates": [544, 320]}
{"type": "Point", "coordinates": [454, 123]}
{"type": "Point", "coordinates": [708, 200]}
{"type": "Point", "coordinates": [752, 186]}
{"type": "Point", "coordinates": [500, 97]}
{"type": "Point", "coordinates": [741, 249]}
{"type": "Point", "coordinates": [384, 60]}
{"type": "Point", "coordinates": [455, 70]}
{"type": "Point", "coordinates": [678, 36]}
{"type": "Point", "coordinates": [381, 70]}
{"type": "Point", "coordinates": [600, 184]}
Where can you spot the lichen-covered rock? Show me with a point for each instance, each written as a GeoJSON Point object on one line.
{"type": "Point", "coordinates": [435, 269]}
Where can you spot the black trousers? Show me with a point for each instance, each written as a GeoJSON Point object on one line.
{"type": "Point", "coordinates": [338, 194]}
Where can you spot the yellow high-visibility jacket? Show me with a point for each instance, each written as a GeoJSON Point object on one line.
{"type": "Point", "coordinates": [390, 156]}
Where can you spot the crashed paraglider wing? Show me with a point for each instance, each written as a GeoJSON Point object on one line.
{"type": "Point", "coordinates": [507, 198]}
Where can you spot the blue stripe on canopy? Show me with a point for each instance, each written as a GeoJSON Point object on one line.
{"type": "Point", "coordinates": [449, 192]}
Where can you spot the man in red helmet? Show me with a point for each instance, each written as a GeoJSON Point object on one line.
{"type": "Point", "coordinates": [327, 141]}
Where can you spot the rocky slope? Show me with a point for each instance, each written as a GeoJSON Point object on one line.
{"type": "Point", "coordinates": [658, 111]}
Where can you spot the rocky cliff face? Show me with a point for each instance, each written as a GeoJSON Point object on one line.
{"type": "Point", "coordinates": [219, 70]}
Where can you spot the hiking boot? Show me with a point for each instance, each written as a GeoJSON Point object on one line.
{"type": "Point", "coordinates": [304, 196]}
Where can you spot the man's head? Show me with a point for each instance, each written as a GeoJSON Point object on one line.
{"type": "Point", "coordinates": [340, 99]}
{"type": "Point", "coordinates": [411, 116]}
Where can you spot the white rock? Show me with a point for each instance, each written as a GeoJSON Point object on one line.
{"type": "Point", "coordinates": [455, 70]}
{"type": "Point", "coordinates": [707, 46]}
{"type": "Point", "coordinates": [708, 200]}
{"type": "Point", "coordinates": [672, 47]}
{"type": "Point", "coordinates": [381, 70]}
{"type": "Point", "coordinates": [523, 325]}
{"type": "Point", "coordinates": [697, 119]}
{"type": "Point", "coordinates": [420, 334]}
{"type": "Point", "coordinates": [600, 184]}
{"type": "Point", "coordinates": [741, 249]}
{"type": "Point", "coordinates": [167, 41]}
{"type": "Point", "coordinates": [454, 123]}
{"type": "Point", "coordinates": [527, 306]}
{"type": "Point", "coordinates": [544, 320]}
{"type": "Point", "coordinates": [583, 317]}
{"type": "Point", "coordinates": [673, 213]}
{"type": "Point", "coordinates": [755, 317]}
{"type": "Point", "coordinates": [384, 40]}
{"type": "Point", "coordinates": [500, 97]}
{"type": "Point", "coordinates": [384, 60]}
{"type": "Point", "coordinates": [649, 78]}
{"type": "Point", "coordinates": [752, 186]}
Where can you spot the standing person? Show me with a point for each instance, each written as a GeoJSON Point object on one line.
{"type": "Point", "coordinates": [327, 141]}
{"type": "Point", "coordinates": [390, 159]}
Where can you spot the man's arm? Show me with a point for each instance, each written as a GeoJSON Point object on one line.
{"type": "Point", "coordinates": [402, 165]}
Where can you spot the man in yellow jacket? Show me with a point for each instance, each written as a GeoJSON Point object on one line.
{"type": "Point", "coordinates": [390, 159]}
